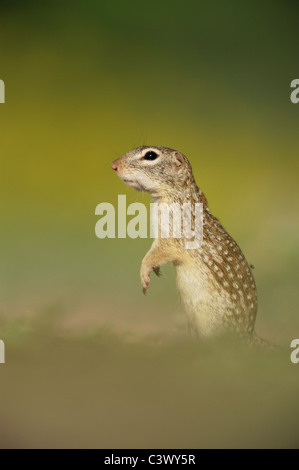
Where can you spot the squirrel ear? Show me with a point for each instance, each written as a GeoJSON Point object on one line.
{"type": "Point", "coordinates": [179, 159]}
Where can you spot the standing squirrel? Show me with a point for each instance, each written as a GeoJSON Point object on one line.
{"type": "Point", "coordinates": [214, 281]}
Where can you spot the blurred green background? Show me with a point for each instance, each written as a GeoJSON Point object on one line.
{"type": "Point", "coordinates": [91, 362]}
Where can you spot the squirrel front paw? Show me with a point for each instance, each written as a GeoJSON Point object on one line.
{"type": "Point", "coordinates": [157, 271]}
{"type": "Point", "coordinates": [145, 276]}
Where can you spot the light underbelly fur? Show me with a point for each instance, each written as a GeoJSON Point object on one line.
{"type": "Point", "coordinates": [205, 306]}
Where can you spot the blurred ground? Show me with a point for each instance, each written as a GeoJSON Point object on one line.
{"type": "Point", "coordinates": [105, 390]}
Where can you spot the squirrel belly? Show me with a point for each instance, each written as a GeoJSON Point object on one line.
{"type": "Point", "coordinates": [206, 311]}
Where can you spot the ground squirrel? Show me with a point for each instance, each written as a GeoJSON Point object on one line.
{"type": "Point", "coordinates": [215, 282]}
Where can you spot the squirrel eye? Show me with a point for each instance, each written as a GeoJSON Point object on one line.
{"type": "Point", "coordinates": [150, 156]}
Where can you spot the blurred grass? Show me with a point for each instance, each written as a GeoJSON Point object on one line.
{"type": "Point", "coordinates": [103, 390]}
{"type": "Point", "coordinates": [88, 357]}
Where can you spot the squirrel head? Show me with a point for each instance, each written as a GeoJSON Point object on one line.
{"type": "Point", "coordinates": [160, 171]}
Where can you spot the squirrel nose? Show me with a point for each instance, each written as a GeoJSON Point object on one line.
{"type": "Point", "coordinates": [114, 165]}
